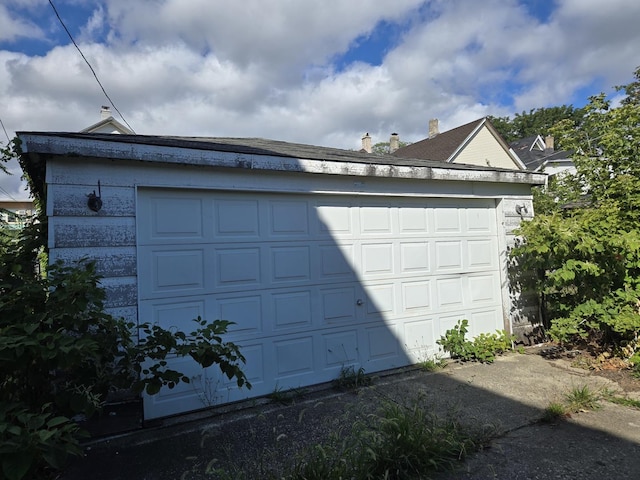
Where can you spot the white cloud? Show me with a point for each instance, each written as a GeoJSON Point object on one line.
{"type": "Point", "coordinates": [12, 27]}
{"type": "Point", "coordinates": [262, 68]}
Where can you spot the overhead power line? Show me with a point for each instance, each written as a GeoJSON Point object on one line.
{"type": "Point", "coordinates": [89, 65]}
{"type": "Point", "coordinates": [5, 132]}
{"type": "Point", "coordinates": [8, 194]}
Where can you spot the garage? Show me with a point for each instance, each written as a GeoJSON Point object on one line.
{"type": "Point", "coordinates": [323, 258]}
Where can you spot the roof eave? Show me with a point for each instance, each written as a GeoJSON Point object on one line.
{"type": "Point", "coordinates": [69, 147]}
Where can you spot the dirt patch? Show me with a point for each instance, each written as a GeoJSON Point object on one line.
{"type": "Point", "coordinates": [603, 364]}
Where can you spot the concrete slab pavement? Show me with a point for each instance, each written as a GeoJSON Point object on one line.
{"type": "Point", "coordinates": [509, 396]}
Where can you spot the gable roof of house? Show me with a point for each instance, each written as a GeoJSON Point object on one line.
{"type": "Point", "coordinates": [445, 146]}
{"type": "Point", "coordinates": [441, 147]}
{"type": "Point", "coordinates": [106, 122]}
{"type": "Point", "coordinates": [534, 154]}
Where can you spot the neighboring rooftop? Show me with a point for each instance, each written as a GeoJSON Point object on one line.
{"type": "Point", "coordinates": [476, 143]}
{"type": "Point", "coordinates": [439, 146]}
{"type": "Point", "coordinates": [536, 152]}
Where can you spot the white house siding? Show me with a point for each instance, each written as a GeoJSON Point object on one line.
{"type": "Point", "coordinates": [484, 150]}
{"type": "Point", "coordinates": [109, 236]}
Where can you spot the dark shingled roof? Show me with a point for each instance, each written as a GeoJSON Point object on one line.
{"type": "Point", "coordinates": [534, 158]}
{"type": "Point", "coordinates": [442, 146]}
{"type": "Point", "coordinates": [261, 146]}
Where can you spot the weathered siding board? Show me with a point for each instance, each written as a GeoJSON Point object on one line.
{"type": "Point", "coordinates": [120, 292]}
{"type": "Point", "coordinates": [71, 201]}
{"type": "Point", "coordinates": [109, 261]}
{"type": "Point", "coordinates": [78, 232]}
{"type": "Point", "coordinates": [128, 314]}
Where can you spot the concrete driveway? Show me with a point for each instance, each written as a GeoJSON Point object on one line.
{"type": "Point", "coordinates": [507, 397]}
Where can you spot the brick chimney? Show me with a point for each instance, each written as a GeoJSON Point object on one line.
{"type": "Point", "coordinates": [549, 143]}
{"type": "Point", "coordinates": [394, 142]}
{"type": "Point", "coordinates": [105, 112]}
{"type": "Point", "coordinates": [433, 127]}
{"type": "Point", "coordinates": [366, 143]}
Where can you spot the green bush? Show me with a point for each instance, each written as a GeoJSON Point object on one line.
{"type": "Point", "coordinates": [483, 348]}
{"type": "Point", "coordinates": [584, 255]}
{"type": "Point", "coordinates": [61, 355]}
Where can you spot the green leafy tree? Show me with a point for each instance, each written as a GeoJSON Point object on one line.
{"type": "Point", "coordinates": [383, 147]}
{"type": "Point", "coordinates": [585, 259]}
{"type": "Point", "coordinates": [537, 121]}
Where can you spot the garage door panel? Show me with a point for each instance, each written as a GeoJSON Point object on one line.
{"type": "Point", "coordinates": [289, 218]}
{"type": "Point", "coordinates": [336, 262]}
{"type": "Point", "coordinates": [414, 257]}
{"type": "Point", "coordinates": [291, 309]}
{"type": "Point", "coordinates": [237, 219]}
{"type": "Point", "coordinates": [291, 263]}
{"type": "Point", "coordinates": [253, 368]}
{"type": "Point", "coordinates": [483, 289]}
{"type": "Point", "coordinates": [246, 311]}
{"type": "Point", "coordinates": [179, 217]}
{"type": "Point", "coordinates": [413, 220]}
{"type": "Point", "coordinates": [377, 259]}
{"type": "Point", "coordinates": [338, 304]}
{"type": "Point", "coordinates": [187, 395]}
{"type": "Point", "coordinates": [334, 220]}
{"type": "Point", "coordinates": [416, 297]}
{"type": "Point", "coordinates": [314, 283]}
{"type": "Point", "coordinates": [375, 220]}
{"type": "Point", "coordinates": [484, 321]}
{"type": "Point", "coordinates": [179, 270]}
{"type": "Point", "coordinates": [340, 349]}
{"type": "Point", "coordinates": [447, 220]}
{"type": "Point", "coordinates": [480, 220]}
{"type": "Point", "coordinates": [449, 292]}
{"type": "Point", "coordinates": [420, 339]}
{"type": "Point", "coordinates": [379, 300]}
{"type": "Point", "coordinates": [482, 254]}
{"type": "Point", "coordinates": [294, 356]}
{"type": "Point", "coordinates": [382, 346]}
{"type": "Point", "coordinates": [174, 314]}
{"type": "Point", "coordinates": [448, 256]}
{"type": "Point", "coordinates": [238, 266]}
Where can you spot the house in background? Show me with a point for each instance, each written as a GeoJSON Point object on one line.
{"type": "Point", "coordinates": [14, 214]}
{"type": "Point", "coordinates": [323, 258]}
{"type": "Point", "coordinates": [476, 143]}
{"type": "Point", "coordinates": [107, 124]}
{"type": "Point", "coordinates": [540, 155]}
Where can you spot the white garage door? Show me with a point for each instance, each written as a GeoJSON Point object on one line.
{"type": "Point", "coordinates": [313, 282]}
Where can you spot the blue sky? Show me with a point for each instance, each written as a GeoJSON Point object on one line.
{"type": "Point", "coordinates": [319, 71]}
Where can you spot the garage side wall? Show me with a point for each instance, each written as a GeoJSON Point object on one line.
{"type": "Point", "coordinates": [107, 237]}
{"type": "Point", "coordinates": [523, 306]}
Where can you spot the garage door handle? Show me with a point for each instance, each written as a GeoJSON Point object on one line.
{"type": "Point", "coordinates": [359, 302]}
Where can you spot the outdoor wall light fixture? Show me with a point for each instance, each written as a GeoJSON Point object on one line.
{"type": "Point", "coordinates": [521, 210]}
{"type": "Point", "coordinates": [95, 202]}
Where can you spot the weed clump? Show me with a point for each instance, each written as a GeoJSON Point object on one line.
{"type": "Point", "coordinates": [483, 348]}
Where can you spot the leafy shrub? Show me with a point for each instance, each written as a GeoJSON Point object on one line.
{"type": "Point", "coordinates": [61, 355]}
{"type": "Point", "coordinates": [483, 348]}
{"type": "Point", "coordinates": [34, 442]}
{"type": "Point", "coordinates": [585, 259]}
